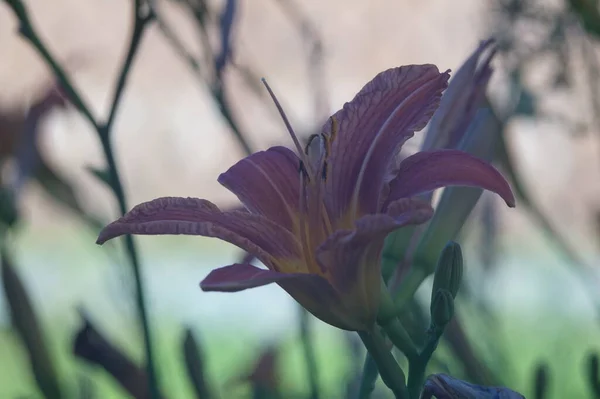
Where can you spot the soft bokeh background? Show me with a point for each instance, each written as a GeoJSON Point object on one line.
{"type": "Point", "coordinates": [170, 139]}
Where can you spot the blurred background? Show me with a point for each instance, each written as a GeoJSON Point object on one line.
{"type": "Point", "coordinates": [527, 313]}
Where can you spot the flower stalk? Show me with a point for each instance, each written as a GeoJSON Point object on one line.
{"type": "Point", "coordinates": [391, 373]}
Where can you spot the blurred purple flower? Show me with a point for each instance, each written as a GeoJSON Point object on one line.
{"type": "Point", "coordinates": [318, 219]}
{"type": "Point", "coordinates": [465, 94]}
{"type": "Point", "coordinates": [26, 151]}
{"type": "Point", "coordinates": [442, 386]}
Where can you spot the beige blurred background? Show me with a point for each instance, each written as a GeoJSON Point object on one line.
{"type": "Point", "coordinates": [170, 138]}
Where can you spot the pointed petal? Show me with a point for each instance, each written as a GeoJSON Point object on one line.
{"type": "Point", "coordinates": [270, 242]}
{"type": "Point", "coordinates": [268, 184]}
{"type": "Point", "coordinates": [241, 276]}
{"type": "Point", "coordinates": [429, 170]}
{"type": "Point", "coordinates": [311, 291]}
{"type": "Point", "coordinates": [372, 127]}
{"type": "Point", "coordinates": [461, 100]}
{"type": "Point", "coordinates": [353, 257]}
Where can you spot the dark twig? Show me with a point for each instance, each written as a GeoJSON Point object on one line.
{"type": "Point", "coordinates": [315, 58]}
{"type": "Point", "coordinates": [212, 77]}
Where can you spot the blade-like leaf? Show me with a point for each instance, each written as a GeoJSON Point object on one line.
{"type": "Point", "coordinates": [30, 331]}
{"type": "Point", "coordinates": [195, 365]}
{"type": "Point", "coordinates": [91, 346]}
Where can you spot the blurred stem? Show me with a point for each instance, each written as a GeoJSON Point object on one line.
{"type": "Point", "coordinates": [400, 338]}
{"type": "Point", "coordinates": [391, 373]}
{"type": "Point", "coordinates": [141, 21]}
{"type": "Point", "coordinates": [309, 353]}
{"type": "Point", "coordinates": [418, 365]}
{"type": "Point", "coordinates": [369, 376]}
{"type": "Point", "coordinates": [219, 96]}
{"type": "Point", "coordinates": [214, 81]}
{"type": "Point", "coordinates": [388, 320]}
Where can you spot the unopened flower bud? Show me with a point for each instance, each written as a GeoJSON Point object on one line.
{"type": "Point", "coordinates": [442, 308]}
{"type": "Point", "coordinates": [449, 270]}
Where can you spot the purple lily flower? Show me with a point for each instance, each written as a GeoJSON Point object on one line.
{"type": "Point", "coordinates": [317, 219]}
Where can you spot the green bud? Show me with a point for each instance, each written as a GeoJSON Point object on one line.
{"type": "Point", "coordinates": [449, 270]}
{"type": "Point", "coordinates": [442, 308]}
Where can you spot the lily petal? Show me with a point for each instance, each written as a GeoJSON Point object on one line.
{"type": "Point", "coordinates": [408, 211]}
{"type": "Point", "coordinates": [267, 183]}
{"type": "Point", "coordinates": [241, 276]}
{"type": "Point", "coordinates": [270, 242]}
{"type": "Point", "coordinates": [353, 257]}
{"type": "Point", "coordinates": [311, 291]}
{"type": "Point", "coordinates": [429, 170]}
{"type": "Point", "coordinates": [372, 127]}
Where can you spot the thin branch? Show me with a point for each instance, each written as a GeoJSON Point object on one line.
{"type": "Point", "coordinates": [141, 20]}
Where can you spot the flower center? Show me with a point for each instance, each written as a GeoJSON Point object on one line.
{"type": "Point", "coordinates": [314, 223]}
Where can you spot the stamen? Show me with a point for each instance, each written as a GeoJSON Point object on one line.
{"type": "Point", "coordinates": [304, 233]}
{"type": "Point", "coordinates": [287, 123]}
{"type": "Point", "coordinates": [317, 153]}
{"type": "Point", "coordinates": [303, 171]}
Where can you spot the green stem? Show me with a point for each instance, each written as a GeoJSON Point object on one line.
{"type": "Point", "coordinates": [387, 318]}
{"type": "Point", "coordinates": [391, 373]}
{"type": "Point", "coordinates": [400, 338]}
{"type": "Point", "coordinates": [417, 367]}
{"type": "Point", "coordinates": [369, 376]}
{"type": "Point", "coordinates": [139, 25]}
{"type": "Point", "coordinates": [27, 31]}
{"type": "Point", "coordinates": [309, 353]}
{"type": "Point", "coordinates": [409, 286]}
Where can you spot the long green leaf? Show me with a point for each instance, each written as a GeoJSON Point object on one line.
{"type": "Point", "coordinates": [195, 365]}
{"type": "Point", "coordinates": [30, 331]}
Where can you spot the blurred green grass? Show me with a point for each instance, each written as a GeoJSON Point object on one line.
{"type": "Point", "coordinates": [229, 354]}
{"type": "Point", "coordinates": [63, 271]}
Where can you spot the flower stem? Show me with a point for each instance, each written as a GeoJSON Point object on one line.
{"type": "Point", "coordinates": [369, 376]}
{"type": "Point", "coordinates": [400, 338]}
{"type": "Point", "coordinates": [417, 366]}
{"type": "Point", "coordinates": [387, 319]}
{"type": "Point", "coordinates": [391, 373]}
